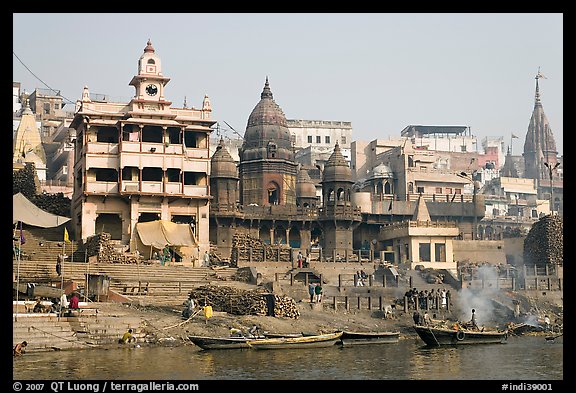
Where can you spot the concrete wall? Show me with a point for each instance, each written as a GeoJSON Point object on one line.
{"type": "Point", "coordinates": [491, 251]}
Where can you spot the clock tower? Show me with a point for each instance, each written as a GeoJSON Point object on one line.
{"type": "Point", "coordinates": [149, 82]}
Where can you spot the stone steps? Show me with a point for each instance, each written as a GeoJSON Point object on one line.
{"type": "Point", "coordinates": [48, 332]}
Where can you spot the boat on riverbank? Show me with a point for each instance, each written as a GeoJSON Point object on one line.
{"type": "Point", "coordinates": [317, 341]}
{"type": "Point", "coordinates": [438, 336]}
{"type": "Point", "coordinates": [240, 342]}
{"type": "Point", "coordinates": [220, 342]}
{"type": "Point", "coordinates": [361, 338]}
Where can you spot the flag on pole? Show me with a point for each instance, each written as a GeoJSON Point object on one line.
{"type": "Point", "coordinates": [390, 207]}
{"type": "Point", "coordinates": [22, 239]}
{"type": "Point", "coordinates": [453, 197]}
{"type": "Point", "coordinates": [66, 238]}
{"type": "Point", "coordinates": [514, 136]}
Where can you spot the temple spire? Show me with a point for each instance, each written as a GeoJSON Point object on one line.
{"type": "Point", "coordinates": [539, 75]}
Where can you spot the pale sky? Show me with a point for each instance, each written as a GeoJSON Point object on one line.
{"type": "Point", "coordinates": [379, 71]}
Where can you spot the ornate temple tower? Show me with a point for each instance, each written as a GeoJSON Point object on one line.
{"type": "Point", "coordinates": [338, 216]}
{"type": "Point", "coordinates": [224, 192]}
{"type": "Point", "coordinates": [539, 145]}
{"type": "Point", "coordinates": [267, 168]}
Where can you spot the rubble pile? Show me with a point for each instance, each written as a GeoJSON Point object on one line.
{"type": "Point", "coordinates": [247, 248]}
{"type": "Point", "coordinates": [544, 243]}
{"type": "Point", "coordinates": [244, 302]}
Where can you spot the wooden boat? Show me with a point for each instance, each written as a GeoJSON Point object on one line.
{"type": "Point", "coordinates": [357, 338]}
{"type": "Point", "coordinates": [220, 342]}
{"type": "Point", "coordinates": [317, 341]}
{"type": "Point", "coordinates": [233, 342]}
{"type": "Point", "coordinates": [437, 336]}
{"type": "Point", "coordinates": [277, 335]}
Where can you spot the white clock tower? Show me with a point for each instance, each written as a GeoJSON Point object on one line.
{"type": "Point", "coordinates": [149, 82]}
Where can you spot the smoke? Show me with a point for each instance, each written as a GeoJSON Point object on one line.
{"type": "Point", "coordinates": [478, 296]}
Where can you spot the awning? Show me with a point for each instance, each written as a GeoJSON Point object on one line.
{"type": "Point", "coordinates": [160, 232]}
{"type": "Point", "coordinates": [28, 213]}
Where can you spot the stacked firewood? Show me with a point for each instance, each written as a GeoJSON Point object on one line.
{"type": "Point", "coordinates": [244, 244]}
{"type": "Point", "coordinates": [244, 302]}
{"type": "Point", "coordinates": [544, 243]}
{"type": "Point", "coordinates": [102, 246]}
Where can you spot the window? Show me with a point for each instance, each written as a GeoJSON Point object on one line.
{"type": "Point", "coordinates": [420, 190]}
{"type": "Point", "coordinates": [463, 148]}
{"type": "Point", "coordinates": [106, 175]}
{"type": "Point", "coordinates": [343, 139]}
{"type": "Point", "coordinates": [327, 138]}
{"type": "Point", "coordinates": [440, 252]}
{"type": "Point", "coordinates": [47, 108]}
{"type": "Point", "coordinates": [309, 138]}
{"type": "Point", "coordinates": [318, 139]}
{"type": "Point", "coordinates": [448, 190]}
{"type": "Point", "coordinates": [438, 190]}
{"type": "Point", "coordinates": [424, 249]}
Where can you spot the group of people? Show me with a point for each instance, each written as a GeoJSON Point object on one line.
{"type": "Point", "coordinates": [360, 278]}
{"type": "Point", "coordinates": [302, 260]}
{"type": "Point", "coordinates": [428, 299]}
{"type": "Point", "coordinates": [315, 292]}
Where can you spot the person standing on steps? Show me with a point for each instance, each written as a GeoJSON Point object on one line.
{"type": "Point", "coordinates": [206, 259]}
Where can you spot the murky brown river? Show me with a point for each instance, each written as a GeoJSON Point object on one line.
{"type": "Point", "coordinates": [520, 359]}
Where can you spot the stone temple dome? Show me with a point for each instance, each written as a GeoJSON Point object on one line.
{"type": "Point", "coordinates": [382, 171]}
{"type": "Point", "coordinates": [337, 168]}
{"type": "Point", "coordinates": [305, 187]}
{"type": "Point", "coordinates": [222, 163]}
{"type": "Point", "coordinates": [267, 135]}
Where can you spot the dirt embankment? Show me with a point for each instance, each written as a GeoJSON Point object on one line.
{"type": "Point", "coordinates": [166, 323]}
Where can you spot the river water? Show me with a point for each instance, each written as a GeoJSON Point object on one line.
{"type": "Point", "coordinates": [520, 359]}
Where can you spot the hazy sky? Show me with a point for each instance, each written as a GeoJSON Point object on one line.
{"type": "Point", "coordinates": [379, 71]}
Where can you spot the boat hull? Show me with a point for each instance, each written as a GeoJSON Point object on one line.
{"type": "Point", "coordinates": [441, 336]}
{"type": "Point", "coordinates": [220, 342]}
{"type": "Point", "coordinates": [364, 338]}
{"type": "Point", "coordinates": [319, 341]}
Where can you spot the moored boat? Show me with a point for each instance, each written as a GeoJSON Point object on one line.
{"type": "Point", "coordinates": [220, 342]}
{"type": "Point", "coordinates": [234, 342]}
{"type": "Point", "coordinates": [317, 341]}
{"type": "Point", "coordinates": [358, 338]}
{"type": "Point", "coordinates": [437, 336]}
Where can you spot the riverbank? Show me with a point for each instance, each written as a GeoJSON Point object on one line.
{"type": "Point", "coordinates": [162, 324]}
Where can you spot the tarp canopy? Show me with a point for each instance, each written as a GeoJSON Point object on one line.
{"type": "Point", "coordinates": [161, 232]}
{"type": "Point", "coordinates": [30, 214]}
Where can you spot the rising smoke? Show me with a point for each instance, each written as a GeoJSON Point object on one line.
{"type": "Point", "coordinates": [479, 298]}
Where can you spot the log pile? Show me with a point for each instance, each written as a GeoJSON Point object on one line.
{"type": "Point", "coordinates": [102, 246]}
{"type": "Point", "coordinates": [544, 243]}
{"type": "Point", "coordinates": [246, 248]}
{"type": "Point", "coordinates": [244, 302]}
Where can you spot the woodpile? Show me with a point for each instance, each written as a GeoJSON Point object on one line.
{"type": "Point", "coordinates": [246, 248]}
{"type": "Point", "coordinates": [103, 247]}
{"type": "Point", "coordinates": [544, 243]}
{"type": "Point", "coordinates": [245, 302]}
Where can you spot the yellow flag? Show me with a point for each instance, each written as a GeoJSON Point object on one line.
{"type": "Point", "coordinates": [66, 238]}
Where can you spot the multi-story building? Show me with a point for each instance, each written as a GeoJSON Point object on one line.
{"type": "Point", "coordinates": [314, 140]}
{"type": "Point", "coordinates": [142, 161]}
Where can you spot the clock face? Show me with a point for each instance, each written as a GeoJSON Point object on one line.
{"type": "Point", "coordinates": [151, 90]}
